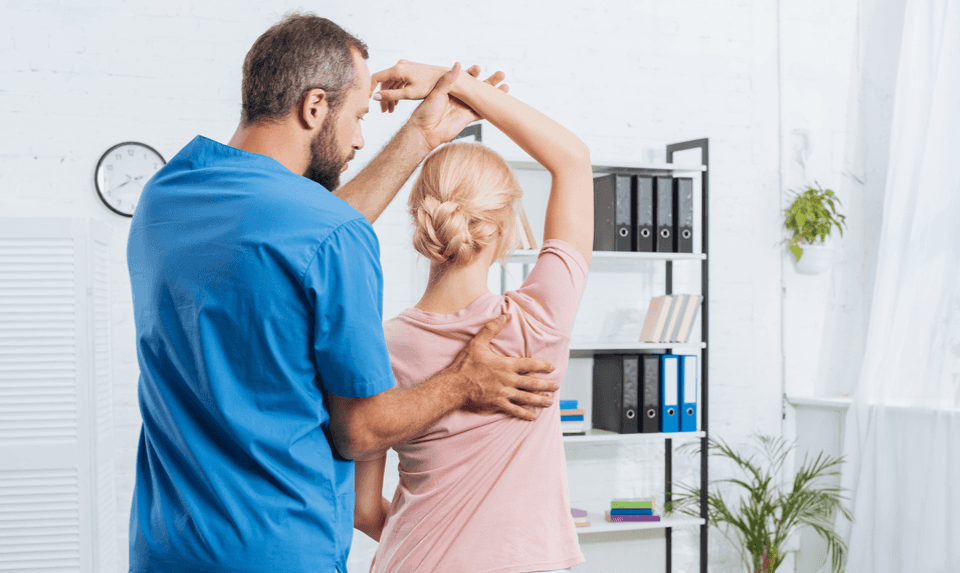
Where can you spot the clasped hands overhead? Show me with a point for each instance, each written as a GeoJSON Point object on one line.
{"type": "Point", "coordinates": [441, 115]}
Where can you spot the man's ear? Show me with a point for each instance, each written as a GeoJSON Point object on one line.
{"type": "Point", "coordinates": [313, 109]}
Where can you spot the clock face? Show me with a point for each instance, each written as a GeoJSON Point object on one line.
{"type": "Point", "coordinates": [122, 172]}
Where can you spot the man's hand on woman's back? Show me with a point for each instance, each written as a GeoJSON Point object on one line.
{"type": "Point", "coordinates": [497, 383]}
{"type": "Point", "coordinates": [477, 379]}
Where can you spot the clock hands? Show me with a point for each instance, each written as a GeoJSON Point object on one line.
{"type": "Point", "coordinates": [129, 180]}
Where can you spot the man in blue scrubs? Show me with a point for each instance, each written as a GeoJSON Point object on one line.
{"type": "Point", "coordinates": [258, 303]}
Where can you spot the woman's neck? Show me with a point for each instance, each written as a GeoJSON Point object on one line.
{"type": "Point", "coordinates": [455, 288]}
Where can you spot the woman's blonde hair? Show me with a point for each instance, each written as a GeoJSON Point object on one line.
{"type": "Point", "coordinates": [464, 199]}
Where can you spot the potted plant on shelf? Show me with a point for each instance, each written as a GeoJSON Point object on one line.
{"type": "Point", "coordinates": [810, 217]}
{"type": "Point", "coordinates": [766, 514]}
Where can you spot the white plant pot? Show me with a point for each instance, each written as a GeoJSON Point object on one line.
{"type": "Point", "coordinates": [815, 259]}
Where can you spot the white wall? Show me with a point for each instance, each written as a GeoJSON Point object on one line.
{"type": "Point", "coordinates": [628, 77]}
{"type": "Point", "coordinates": [823, 314]}
{"type": "Point", "coordinates": [837, 80]}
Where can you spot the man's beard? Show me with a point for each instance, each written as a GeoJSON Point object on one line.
{"type": "Point", "coordinates": [325, 159]}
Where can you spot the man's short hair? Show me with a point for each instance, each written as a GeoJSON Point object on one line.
{"type": "Point", "coordinates": [300, 53]}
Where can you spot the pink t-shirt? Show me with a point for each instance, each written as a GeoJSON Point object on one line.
{"type": "Point", "coordinates": [486, 493]}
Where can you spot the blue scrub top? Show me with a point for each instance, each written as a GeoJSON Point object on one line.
{"type": "Point", "coordinates": [255, 290]}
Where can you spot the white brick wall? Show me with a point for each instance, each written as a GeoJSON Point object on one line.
{"type": "Point", "coordinates": [824, 315]}
{"type": "Point", "coordinates": [628, 77]}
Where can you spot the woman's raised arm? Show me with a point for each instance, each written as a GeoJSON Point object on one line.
{"type": "Point", "coordinates": [570, 208]}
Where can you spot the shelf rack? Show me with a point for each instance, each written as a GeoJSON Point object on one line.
{"type": "Point", "coordinates": [703, 146]}
{"type": "Point", "coordinates": [595, 435]}
{"type": "Point", "coordinates": [609, 261]}
{"type": "Point", "coordinates": [598, 524]}
{"type": "Point", "coordinates": [668, 167]}
{"type": "Point", "coordinates": [624, 262]}
{"type": "Point", "coordinates": [588, 349]}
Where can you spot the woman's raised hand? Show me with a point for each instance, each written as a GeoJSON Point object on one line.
{"type": "Point", "coordinates": [413, 81]}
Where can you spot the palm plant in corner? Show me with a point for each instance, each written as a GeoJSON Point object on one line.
{"type": "Point", "coordinates": [764, 516]}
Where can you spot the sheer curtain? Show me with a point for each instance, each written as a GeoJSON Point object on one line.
{"type": "Point", "coordinates": [903, 429]}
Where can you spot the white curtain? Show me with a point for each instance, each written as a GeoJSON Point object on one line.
{"type": "Point", "coordinates": [903, 430]}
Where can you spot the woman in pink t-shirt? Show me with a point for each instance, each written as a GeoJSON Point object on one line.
{"type": "Point", "coordinates": [484, 493]}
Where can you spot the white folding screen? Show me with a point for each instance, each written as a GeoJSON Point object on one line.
{"type": "Point", "coordinates": [57, 488]}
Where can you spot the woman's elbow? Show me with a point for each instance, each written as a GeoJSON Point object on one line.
{"type": "Point", "coordinates": [581, 153]}
{"type": "Point", "coordinates": [577, 156]}
{"type": "Point", "coordinates": [368, 521]}
{"type": "Point", "coordinates": [361, 519]}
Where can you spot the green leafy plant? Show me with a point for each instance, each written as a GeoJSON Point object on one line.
{"type": "Point", "coordinates": [812, 214]}
{"type": "Point", "coordinates": [767, 513]}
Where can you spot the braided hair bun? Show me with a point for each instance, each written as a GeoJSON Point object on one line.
{"type": "Point", "coordinates": [463, 201]}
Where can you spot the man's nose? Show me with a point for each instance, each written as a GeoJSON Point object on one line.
{"type": "Point", "coordinates": [358, 140]}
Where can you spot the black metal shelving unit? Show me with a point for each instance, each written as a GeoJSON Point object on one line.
{"type": "Point", "coordinates": [528, 258]}
{"type": "Point", "coordinates": [703, 146]}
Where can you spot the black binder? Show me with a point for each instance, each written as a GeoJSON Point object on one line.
{"type": "Point", "coordinates": [623, 213]}
{"type": "Point", "coordinates": [650, 393]}
{"type": "Point", "coordinates": [604, 202]}
{"type": "Point", "coordinates": [620, 188]}
{"type": "Point", "coordinates": [683, 213]}
{"type": "Point", "coordinates": [615, 392]}
{"type": "Point", "coordinates": [645, 229]}
{"type": "Point", "coordinates": [663, 214]}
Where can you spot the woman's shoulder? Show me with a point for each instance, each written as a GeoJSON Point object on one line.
{"type": "Point", "coordinates": [552, 291]}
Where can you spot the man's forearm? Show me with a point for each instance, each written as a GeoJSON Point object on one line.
{"type": "Point", "coordinates": [366, 427]}
{"type": "Point", "coordinates": [371, 190]}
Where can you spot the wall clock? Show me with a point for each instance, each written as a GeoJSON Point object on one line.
{"type": "Point", "coordinates": [122, 172]}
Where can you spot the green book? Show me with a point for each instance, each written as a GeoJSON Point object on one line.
{"type": "Point", "coordinates": [631, 504]}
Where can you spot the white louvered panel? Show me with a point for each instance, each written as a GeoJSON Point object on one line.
{"type": "Point", "coordinates": [101, 337]}
{"type": "Point", "coordinates": [105, 511]}
{"type": "Point", "coordinates": [57, 479]}
{"type": "Point", "coordinates": [40, 521]}
{"type": "Point", "coordinates": [37, 340]}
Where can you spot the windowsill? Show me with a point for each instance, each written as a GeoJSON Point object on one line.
{"type": "Point", "coordinates": [830, 402]}
{"type": "Point", "coordinates": [843, 403]}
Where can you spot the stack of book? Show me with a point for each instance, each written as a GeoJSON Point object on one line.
{"type": "Point", "coordinates": [579, 517]}
{"type": "Point", "coordinates": [632, 510]}
{"type": "Point", "coordinates": [571, 419]}
{"type": "Point", "coordinates": [670, 318]}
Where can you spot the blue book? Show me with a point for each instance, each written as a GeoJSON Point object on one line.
{"type": "Point", "coordinates": [571, 418]}
{"type": "Point", "coordinates": [568, 404]}
{"type": "Point", "coordinates": [669, 393]}
{"type": "Point", "coordinates": [688, 393]}
{"type": "Point", "coordinates": [631, 512]}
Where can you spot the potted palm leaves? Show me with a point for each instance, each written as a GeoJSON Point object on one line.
{"type": "Point", "coordinates": [757, 513]}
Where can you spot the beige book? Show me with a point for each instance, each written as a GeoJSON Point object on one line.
{"type": "Point", "coordinates": [521, 237]}
{"type": "Point", "coordinates": [656, 317]}
{"type": "Point", "coordinates": [676, 307]}
{"type": "Point", "coordinates": [686, 323]}
{"type": "Point", "coordinates": [673, 330]}
{"type": "Point", "coordinates": [527, 230]}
